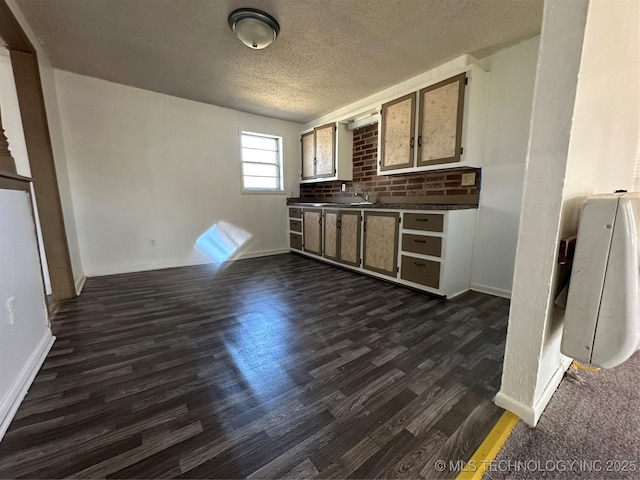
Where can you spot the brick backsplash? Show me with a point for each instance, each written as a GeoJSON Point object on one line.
{"type": "Point", "coordinates": [366, 179]}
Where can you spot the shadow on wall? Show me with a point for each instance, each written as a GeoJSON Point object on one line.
{"type": "Point", "coordinates": [222, 242]}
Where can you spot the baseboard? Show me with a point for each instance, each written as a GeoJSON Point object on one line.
{"type": "Point", "coordinates": [525, 412]}
{"type": "Point", "coordinates": [20, 387]}
{"type": "Point", "coordinates": [457, 294]}
{"type": "Point", "coordinates": [192, 263]}
{"type": "Point", "coordinates": [261, 253]}
{"type": "Point", "coordinates": [551, 387]}
{"type": "Point", "coordinates": [80, 284]}
{"type": "Point", "coordinates": [498, 292]}
{"type": "Point", "coordinates": [531, 414]}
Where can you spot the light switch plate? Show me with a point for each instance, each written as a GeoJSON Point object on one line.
{"type": "Point", "coordinates": [468, 179]}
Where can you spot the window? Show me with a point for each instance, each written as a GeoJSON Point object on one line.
{"type": "Point", "coordinates": [261, 163]}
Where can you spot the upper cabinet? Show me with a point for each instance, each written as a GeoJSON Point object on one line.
{"type": "Point", "coordinates": [397, 127]}
{"type": "Point", "coordinates": [442, 123]}
{"type": "Point", "coordinates": [327, 153]}
{"type": "Point", "coordinates": [308, 155]}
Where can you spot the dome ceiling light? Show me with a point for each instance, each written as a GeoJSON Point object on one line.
{"type": "Point", "coordinates": [255, 28]}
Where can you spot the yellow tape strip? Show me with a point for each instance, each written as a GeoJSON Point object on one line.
{"type": "Point", "coordinates": [489, 448]}
{"type": "Point", "coordinates": [579, 366]}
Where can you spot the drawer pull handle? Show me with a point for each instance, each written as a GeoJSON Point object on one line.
{"type": "Point", "coordinates": [422, 219]}
{"type": "Point", "coordinates": [419, 264]}
{"type": "Point", "coordinates": [419, 241]}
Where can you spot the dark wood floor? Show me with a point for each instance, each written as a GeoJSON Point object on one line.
{"type": "Point", "coordinates": [273, 367]}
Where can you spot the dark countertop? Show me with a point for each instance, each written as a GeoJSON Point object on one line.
{"type": "Point", "coordinates": [389, 206]}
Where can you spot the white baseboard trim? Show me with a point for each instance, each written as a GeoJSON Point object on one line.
{"type": "Point", "coordinates": [498, 292]}
{"type": "Point", "coordinates": [261, 253]}
{"type": "Point", "coordinates": [531, 414]}
{"type": "Point", "coordinates": [551, 387]}
{"type": "Point", "coordinates": [162, 266]}
{"type": "Point", "coordinates": [80, 284]}
{"type": "Point", "coordinates": [523, 411]}
{"type": "Point", "coordinates": [457, 294]}
{"type": "Point", "coordinates": [20, 387]}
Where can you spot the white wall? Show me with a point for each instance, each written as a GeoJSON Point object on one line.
{"type": "Point", "coordinates": [145, 166]}
{"type": "Point", "coordinates": [584, 139]}
{"type": "Point", "coordinates": [11, 118]}
{"type": "Point", "coordinates": [605, 136]}
{"type": "Point", "coordinates": [25, 339]}
{"type": "Point", "coordinates": [512, 79]}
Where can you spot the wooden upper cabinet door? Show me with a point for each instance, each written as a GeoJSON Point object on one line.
{"type": "Point", "coordinates": [440, 123]}
{"type": "Point", "coordinates": [331, 234]}
{"type": "Point", "coordinates": [349, 240]}
{"type": "Point", "coordinates": [325, 151]}
{"type": "Point", "coordinates": [381, 242]}
{"type": "Point", "coordinates": [312, 231]}
{"type": "Point", "coordinates": [308, 155]}
{"type": "Point", "coordinates": [397, 128]}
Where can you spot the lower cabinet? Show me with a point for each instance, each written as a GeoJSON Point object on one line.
{"type": "Point", "coordinates": [331, 234]}
{"type": "Point", "coordinates": [342, 236]}
{"type": "Point", "coordinates": [349, 226]}
{"type": "Point", "coordinates": [381, 242]}
{"type": "Point", "coordinates": [426, 250]}
{"type": "Point", "coordinates": [312, 230]}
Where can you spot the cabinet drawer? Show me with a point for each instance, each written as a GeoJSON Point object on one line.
{"type": "Point", "coordinates": [423, 244]}
{"type": "Point", "coordinates": [418, 270]}
{"type": "Point", "coordinates": [431, 222]}
{"type": "Point", "coordinates": [295, 225]}
{"type": "Point", "coordinates": [295, 241]}
{"type": "Point", "coordinates": [295, 213]}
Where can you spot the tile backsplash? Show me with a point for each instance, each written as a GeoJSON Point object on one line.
{"type": "Point", "coordinates": [366, 179]}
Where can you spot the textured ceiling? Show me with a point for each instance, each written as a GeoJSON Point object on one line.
{"type": "Point", "coordinates": [329, 52]}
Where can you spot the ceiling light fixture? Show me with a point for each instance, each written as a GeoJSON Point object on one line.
{"type": "Point", "coordinates": [255, 28]}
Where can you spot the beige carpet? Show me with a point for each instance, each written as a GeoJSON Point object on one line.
{"type": "Point", "coordinates": [590, 429]}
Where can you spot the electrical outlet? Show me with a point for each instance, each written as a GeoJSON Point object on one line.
{"type": "Point", "coordinates": [152, 242]}
{"type": "Point", "coordinates": [468, 179]}
{"type": "Point", "coordinates": [344, 187]}
{"type": "Point", "coordinates": [11, 309]}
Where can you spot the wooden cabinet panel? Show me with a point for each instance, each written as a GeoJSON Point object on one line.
{"type": "Point", "coordinates": [325, 151]}
{"type": "Point", "coordinates": [418, 270]}
{"type": "Point", "coordinates": [295, 213]}
{"type": "Point", "coordinates": [381, 242]}
{"type": "Point", "coordinates": [312, 229]}
{"type": "Point", "coordinates": [396, 133]}
{"type": "Point", "coordinates": [331, 234]}
{"type": "Point", "coordinates": [440, 123]}
{"type": "Point", "coordinates": [430, 222]}
{"type": "Point", "coordinates": [350, 238]}
{"type": "Point", "coordinates": [295, 225]}
{"type": "Point", "coordinates": [423, 244]}
{"type": "Point", "coordinates": [295, 241]}
{"type": "Point", "coordinates": [308, 155]}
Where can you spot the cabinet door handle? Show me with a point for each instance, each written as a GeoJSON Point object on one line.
{"type": "Point", "coordinates": [411, 142]}
{"type": "Point", "coordinates": [419, 140]}
{"type": "Point", "coordinates": [419, 241]}
{"type": "Point", "coordinates": [419, 264]}
{"type": "Point", "coordinates": [422, 219]}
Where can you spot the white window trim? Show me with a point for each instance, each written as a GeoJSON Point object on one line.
{"type": "Point", "coordinates": [257, 191]}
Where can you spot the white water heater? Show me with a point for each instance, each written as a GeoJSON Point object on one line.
{"type": "Point", "coordinates": [602, 317]}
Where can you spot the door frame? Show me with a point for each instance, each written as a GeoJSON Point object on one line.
{"type": "Point", "coordinates": [26, 71]}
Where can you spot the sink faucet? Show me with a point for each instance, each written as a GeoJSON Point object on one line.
{"type": "Point", "coordinates": [365, 196]}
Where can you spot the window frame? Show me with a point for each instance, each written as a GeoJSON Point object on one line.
{"type": "Point", "coordinates": [280, 164]}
